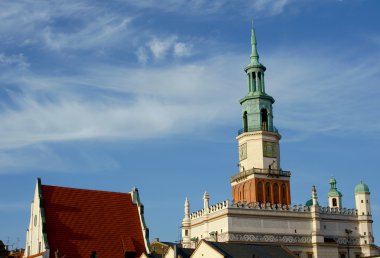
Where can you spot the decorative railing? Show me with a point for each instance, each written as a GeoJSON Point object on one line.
{"type": "Point", "coordinates": [269, 172]}
{"type": "Point", "coordinates": [272, 129]}
{"type": "Point", "coordinates": [300, 208]}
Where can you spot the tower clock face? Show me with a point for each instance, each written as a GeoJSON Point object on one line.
{"type": "Point", "coordinates": [243, 151]}
{"type": "Point", "coordinates": [270, 149]}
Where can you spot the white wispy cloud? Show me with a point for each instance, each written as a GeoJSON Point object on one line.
{"type": "Point", "coordinates": [158, 48]}
{"type": "Point", "coordinates": [18, 61]}
{"type": "Point", "coordinates": [73, 25]}
{"type": "Point", "coordinates": [315, 93]}
{"type": "Point", "coordinates": [182, 49]}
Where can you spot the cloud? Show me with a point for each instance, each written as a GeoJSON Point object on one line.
{"type": "Point", "coordinates": [142, 55]}
{"type": "Point", "coordinates": [74, 25]}
{"type": "Point", "coordinates": [18, 61]}
{"type": "Point", "coordinates": [315, 94]}
{"type": "Point", "coordinates": [125, 103]}
{"type": "Point", "coordinates": [158, 48]}
{"type": "Point", "coordinates": [91, 35]}
{"type": "Point", "coordinates": [271, 7]}
{"type": "Point", "coordinates": [182, 49]}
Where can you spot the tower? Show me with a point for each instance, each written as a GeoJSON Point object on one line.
{"type": "Point", "coordinates": [186, 235]}
{"type": "Point", "coordinates": [363, 205]}
{"type": "Point", "coordinates": [260, 177]}
{"type": "Point", "coordinates": [334, 196]}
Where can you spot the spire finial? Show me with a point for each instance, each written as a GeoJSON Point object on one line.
{"type": "Point", "coordinates": [254, 54]}
{"type": "Point", "coordinates": [187, 207]}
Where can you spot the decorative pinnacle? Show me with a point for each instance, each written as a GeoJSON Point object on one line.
{"type": "Point", "coordinates": [314, 195]}
{"type": "Point", "coordinates": [254, 54]}
{"type": "Point", "coordinates": [187, 207]}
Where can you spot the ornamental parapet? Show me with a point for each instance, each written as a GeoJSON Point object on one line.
{"type": "Point", "coordinates": [260, 171]}
{"type": "Point", "coordinates": [300, 208]}
{"type": "Point", "coordinates": [340, 211]}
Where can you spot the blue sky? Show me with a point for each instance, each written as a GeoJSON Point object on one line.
{"type": "Point", "coordinates": [114, 94]}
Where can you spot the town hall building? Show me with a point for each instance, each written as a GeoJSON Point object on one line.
{"type": "Point", "coordinates": [261, 211]}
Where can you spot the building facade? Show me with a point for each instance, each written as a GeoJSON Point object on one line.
{"type": "Point", "coordinates": [261, 209]}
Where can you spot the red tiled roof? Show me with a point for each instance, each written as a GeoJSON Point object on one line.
{"type": "Point", "coordinates": [80, 221]}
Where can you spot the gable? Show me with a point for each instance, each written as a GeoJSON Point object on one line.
{"type": "Point", "coordinates": [204, 250]}
{"type": "Point", "coordinates": [80, 221]}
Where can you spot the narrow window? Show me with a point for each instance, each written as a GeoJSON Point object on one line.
{"type": "Point", "coordinates": [245, 121]}
{"type": "Point", "coordinates": [276, 193]}
{"type": "Point", "coordinates": [362, 201]}
{"type": "Point", "coordinates": [283, 190]}
{"type": "Point", "coordinates": [267, 192]}
{"type": "Point", "coordinates": [186, 232]}
{"type": "Point", "coordinates": [254, 81]}
{"type": "Point", "coordinates": [260, 192]}
{"type": "Point", "coordinates": [264, 119]}
{"type": "Point", "coordinates": [334, 204]}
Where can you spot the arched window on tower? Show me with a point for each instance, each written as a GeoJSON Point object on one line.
{"type": "Point", "coordinates": [264, 119]}
{"type": "Point", "coordinates": [268, 192]}
{"type": "Point", "coordinates": [258, 82]}
{"type": "Point", "coordinates": [254, 81]}
{"type": "Point", "coordinates": [334, 202]}
{"type": "Point", "coordinates": [276, 193]}
{"type": "Point", "coordinates": [243, 194]}
{"type": "Point", "coordinates": [245, 121]}
{"type": "Point", "coordinates": [260, 192]}
{"type": "Point", "coordinates": [283, 194]}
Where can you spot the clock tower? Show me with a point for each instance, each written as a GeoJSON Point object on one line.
{"type": "Point", "coordinates": [260, 177]}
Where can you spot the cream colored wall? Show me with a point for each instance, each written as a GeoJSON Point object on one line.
{"type": "Point", "coordinates": [270, 225]}
{"type": "Point", "coordinates": [34, 236]}
{"type": "Point", "coordinates": [170, 253]}
{"type": "Point", "coordinates": [365, 206]}
{"type": "Point", "coordinates": [205, 251]}
{"type": "Point", "coordinates": [202, 230]}
{"type": "Point", "coordinates": [255, 156]}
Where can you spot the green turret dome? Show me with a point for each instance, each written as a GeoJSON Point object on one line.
{"type": "Point", "coordinates": [309, 203]}
{"type": "Point", "coordinates": [361, 188]}
{"type": "Point", "coordinates": [334, 193]}
{"type": "Point", "coordinates": [333, 190]}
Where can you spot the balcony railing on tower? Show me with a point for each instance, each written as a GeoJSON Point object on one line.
{"type": "Point", "coordinates": [268, 172]}
{"type": "Point", "coordinates": [258, 128]}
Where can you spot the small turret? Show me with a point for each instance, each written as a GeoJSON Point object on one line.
{"type": "Point", "coordinates": [206, 199]}
{"type": "Point", "coordinates": [186, 226]}
{"type": "Point", "coordinates": [363, 205]}
{"type": "Point", "coordinates": [334, 196]}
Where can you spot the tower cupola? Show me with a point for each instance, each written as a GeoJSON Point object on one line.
{"type": "Point", "coordinates": [334, 196]}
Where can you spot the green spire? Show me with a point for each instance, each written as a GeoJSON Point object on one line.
{"type": "Point", "coordinates": [254, 54]}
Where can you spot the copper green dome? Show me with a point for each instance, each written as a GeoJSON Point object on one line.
{"type": "Point", "coordinates": [333, 190]}
{"type": "Point", "coordinates": [309, 203]}
{"type": "Point", "coordinates": [361, 188]}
